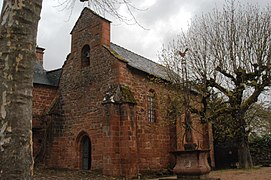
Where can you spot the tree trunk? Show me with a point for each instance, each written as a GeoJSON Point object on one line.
{"type": "Point", "coordinates": [244, 157]}
{"type": "Point", "coordinates": [18, 30]}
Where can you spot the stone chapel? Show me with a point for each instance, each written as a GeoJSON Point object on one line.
{"type": "Point", "coordinates": [106, 108]}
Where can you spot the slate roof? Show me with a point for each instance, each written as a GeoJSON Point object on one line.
{"type": "Point", "coordinates": [50, 78]}
{"type": "Point", "coordinates": [141, 63]}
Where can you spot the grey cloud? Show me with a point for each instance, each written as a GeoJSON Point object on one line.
{"type": "Point", "coordinates": [162, 10]}
{"type": "Point", "coordinates": [55, 26]}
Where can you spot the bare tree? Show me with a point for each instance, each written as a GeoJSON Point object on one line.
{"type": "Point", "coordinates": [18, 30]}
{"type": "Point", "coordinates": [229, 55]}
{"type": "Point", "coordinates": [111, 7]}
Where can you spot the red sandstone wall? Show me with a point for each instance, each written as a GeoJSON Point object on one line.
{"type": "Point", "coordinates": [82, 91]}
{"type": "Point", "coordinates": [123, 141]}
{"type": "Point", "coordinates": [154, 140]}
{"type": "Point", "coordinates": [43, 97]}
{"type": "Point", "coordinates": [157, 140]}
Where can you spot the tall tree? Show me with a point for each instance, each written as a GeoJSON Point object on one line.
{"type": "Point", "coordinates": [19, 22]}
{"type": "Point", "coordinates": [229, 55]}
{"type": "Point", "coordinates": [18, 30]}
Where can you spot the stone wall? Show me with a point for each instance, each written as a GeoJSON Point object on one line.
{"type": "Point", "coordinates": [82, 91]}
{"type": "Point", "coordinates": [43, 97]}
{"type": "Point", "coordinates": [156, 140]}
{"type": "Point", "coordinates": [123, 141]}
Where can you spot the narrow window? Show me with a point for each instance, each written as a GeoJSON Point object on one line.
{"type": "Point", "coordinates": [85, 56]}
{"type": "Point", "coordinates": [151, 106]}
{"type": "Point", "coordinates": [86, 153]}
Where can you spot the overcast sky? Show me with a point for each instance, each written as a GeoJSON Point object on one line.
{"type": "Point", "coordinates": [164, 19]}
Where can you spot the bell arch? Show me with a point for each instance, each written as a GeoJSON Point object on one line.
{"type": "Point", "coordinates": [85, 56]}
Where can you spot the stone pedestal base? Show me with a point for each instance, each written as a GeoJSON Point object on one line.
{"type": "Point", "coordinates": [192, 164]}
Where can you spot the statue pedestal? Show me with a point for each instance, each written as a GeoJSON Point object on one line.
{"type": "Point", "coordinates": [192, 164]}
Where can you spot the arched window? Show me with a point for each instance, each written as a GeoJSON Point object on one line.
{"type": "Point", "coordinates": [85, 56]}
{"type": "Point", "coordinates": [86, 152]}
{"type": "Point", "coordinates": [151, 106]}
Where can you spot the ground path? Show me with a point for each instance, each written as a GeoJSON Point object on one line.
{"type": "Point", "coordinates": [263, 173]}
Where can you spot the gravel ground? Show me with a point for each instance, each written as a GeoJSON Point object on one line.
{"type": "Point", "coordinates": [263, 173]}
{"type": "Point", "coordinates": [64, 174]}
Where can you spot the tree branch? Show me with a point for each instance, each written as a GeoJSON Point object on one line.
{"type": "Point", "coordinates": [212, 83]}
{"type": "Point", "coordinates": [253, 98]}
{"type": "Point", "coordinates": [222, 71]}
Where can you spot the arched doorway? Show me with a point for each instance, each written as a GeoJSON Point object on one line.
{"type": "Point", "coordinates": [86, 153]}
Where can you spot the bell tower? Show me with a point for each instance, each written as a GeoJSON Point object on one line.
{"type": "Point", "coordinates": [90, 32]}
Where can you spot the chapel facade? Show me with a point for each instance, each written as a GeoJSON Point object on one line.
{"type": "Point", "coordinates": [107, 108]}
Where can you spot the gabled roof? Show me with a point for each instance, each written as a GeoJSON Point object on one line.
{"type": "Point", "coordinates": [87, 10]}
{"type": "Point", "coordinates": [50, 78]}
{"type": "Point", "coordinates": [141, 63]}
